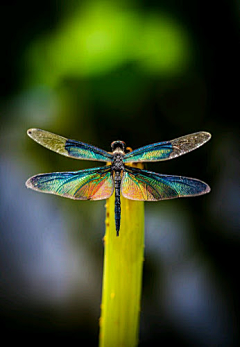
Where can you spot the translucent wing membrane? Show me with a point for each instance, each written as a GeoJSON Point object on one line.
{"type": "Point", "coordinates": [69, 148]}
{"type": "Point", "coordinates": [168, 149]}
{"type": "Point", "coordinates": [90, 184]}
{"type": "Point", "coordinates": [149, 186]}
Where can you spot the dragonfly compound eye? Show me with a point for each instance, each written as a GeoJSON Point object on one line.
{"type": "Point", "coordinates": [118, 144]}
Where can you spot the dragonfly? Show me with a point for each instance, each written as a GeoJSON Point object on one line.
{"type": "Point", "coordinates": [118, 175]}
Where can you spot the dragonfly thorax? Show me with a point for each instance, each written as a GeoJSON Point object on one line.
{"type": "Point", "coordinates": [117, 164]}
{"type": "Point", "coordinates": [118, 148]}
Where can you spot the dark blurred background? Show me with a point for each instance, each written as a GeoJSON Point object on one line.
{"type": "Point", "coordinates": [142, 72]}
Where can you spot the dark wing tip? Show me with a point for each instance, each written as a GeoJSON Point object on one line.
{"type": "Point", "coordinates": [203, 188]}
{"type": "Point", "coordinates": [31, 132]}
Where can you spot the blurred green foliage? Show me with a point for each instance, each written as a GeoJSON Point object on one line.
{"type": "Point", "coordinates": [100, 36]}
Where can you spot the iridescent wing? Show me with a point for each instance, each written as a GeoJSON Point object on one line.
{"type": "Point", "coordinates": [69, 148]}
{"type": "Point", "coordinates": [149, 186]}
{"type": "Point", "coordinates": [90, 184]}
{"type": "Point", "coordinates": [168, 149]}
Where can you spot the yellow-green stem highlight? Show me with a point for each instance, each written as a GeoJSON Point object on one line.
{"type": "Point", "coordinates": [122, 275]}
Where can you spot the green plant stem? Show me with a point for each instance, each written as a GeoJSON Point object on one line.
{"type": "Point", "coordinates": [122, 275]}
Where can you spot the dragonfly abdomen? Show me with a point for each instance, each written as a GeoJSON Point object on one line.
{"type": "Point", "coordinates": [117, 168]}
{"type": "Point", "coordinates": [117, 201]}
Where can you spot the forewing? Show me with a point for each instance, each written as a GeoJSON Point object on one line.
{"type": "Point", "coordinates": [168, 149]}
{"type": "Point", "coordinates": [149, 186]}
{"type": "Point", "coordinates": [90, 184]}
{"type": "Point", "coordinates": [69, 148]}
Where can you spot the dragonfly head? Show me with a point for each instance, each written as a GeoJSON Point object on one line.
{"type": "Point", "coordinates": [118, 144]}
